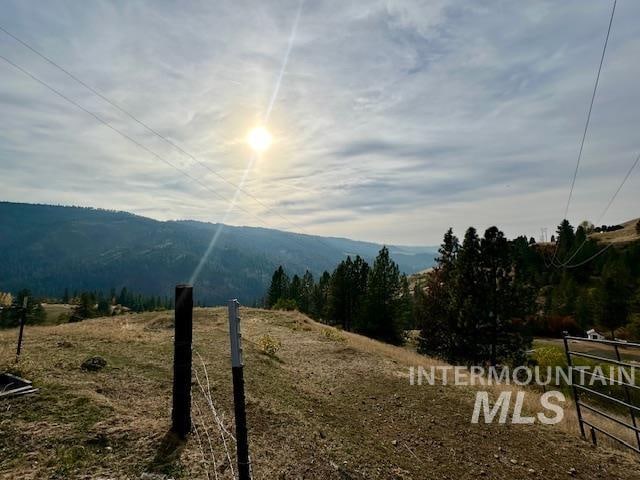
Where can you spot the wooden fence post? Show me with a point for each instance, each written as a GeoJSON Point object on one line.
{"type": "Point", "coordinates": [23, 319]}
{"type": "Point", "coordinates": [181, 412]}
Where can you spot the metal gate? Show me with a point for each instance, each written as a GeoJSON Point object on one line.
{"type": "Point", "coordinates": [582, 392]}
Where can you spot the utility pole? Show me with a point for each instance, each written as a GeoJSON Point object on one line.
{"type": "Point", "coordinates": [181, 412]}
{"type": "Point", "coordinates": [238, 391]}
{"type": "Point", "coordinates": [23, 319]}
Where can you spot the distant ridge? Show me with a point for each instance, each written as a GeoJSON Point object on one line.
{"type": "Point", "coordinates": [48, 248]}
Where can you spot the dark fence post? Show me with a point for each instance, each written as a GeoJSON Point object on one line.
{"type": "Point", "coordinates": [629, 400]}
{"type": "Point", "coordinates": [23, 319]}
{"type": "Point", "coordinates": [238, 392]}
{"type": "Point", "coordinates": [181, 412]}
{"type": "Point", "coordinates": [576, 397]}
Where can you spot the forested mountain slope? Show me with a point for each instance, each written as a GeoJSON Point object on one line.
{"type": "Point", "coordinates": [49, 248]}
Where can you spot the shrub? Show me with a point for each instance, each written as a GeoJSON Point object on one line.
{"type": "Point", "coordinates": [269, 345]}
{"type": "Point", "coordinates": [554, 325]}
{"type": "Point", "coordinates": [333, 334]}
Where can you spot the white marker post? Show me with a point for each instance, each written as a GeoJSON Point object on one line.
{"type": "Point", "coordinates": [238, 391]}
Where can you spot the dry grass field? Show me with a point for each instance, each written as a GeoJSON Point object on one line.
{"type": "Point", "coordinates": [55, 310]}
{"type": "Point", "coordinates": [626, 235]}
{"type": "Point", "coordinates": [326, 405]}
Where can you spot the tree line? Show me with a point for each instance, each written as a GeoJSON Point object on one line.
{"type": "Point", "coordinates": [475, 305]}
{"type": "Point", "coordinates": [486, 297]}
{"type": "Point", "coordinates": [586, 290]}
{"type": "Point", "coordinates": [86, 304]}
{"type": "Point", "coordinates": [372, 300]}
{"type": "Point", "coordinates": [90, 304]}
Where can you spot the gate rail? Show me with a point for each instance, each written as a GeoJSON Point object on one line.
{"type": "Point", "coordinates": [627, 403]}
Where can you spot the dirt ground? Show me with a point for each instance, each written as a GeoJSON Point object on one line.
{"type": "Point", "coordinates": [327, 405]}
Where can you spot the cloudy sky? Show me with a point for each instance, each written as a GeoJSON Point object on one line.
{"type": "Point", "coordinates": [392, 120]}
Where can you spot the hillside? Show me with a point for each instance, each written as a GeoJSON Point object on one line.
{"type": "Point", "coordinates": [330, 405]}
{"type": "Point", "coordinates": [625, 235]}
{"type": "Point", "coordinates": [50, 248]}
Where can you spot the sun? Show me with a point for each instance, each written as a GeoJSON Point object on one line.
{"type": "Point", "coordinates": [259, 139]}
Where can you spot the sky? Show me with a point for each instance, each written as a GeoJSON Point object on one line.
{"type": "Point", "coordinates": [391, 120]}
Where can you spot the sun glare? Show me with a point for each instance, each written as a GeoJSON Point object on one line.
{"type": "Point", "coordinates": [259, 139]}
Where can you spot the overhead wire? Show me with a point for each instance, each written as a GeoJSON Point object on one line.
{"type": "Point", "coordinates": [585, 130]}
{"type": "Point", "coordinates": [238, 187]}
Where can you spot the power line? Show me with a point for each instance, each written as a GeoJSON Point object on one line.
{"type": "Point", "coordinates": [606, 209]}
{"type": "Point", "coordinates": [591, 257]}
{"type": "Point", "coordinates": [154, 154]}
{"type": "Point", "coordinates": [154, 131]}
{"type": "Point", "coordinates": [131, 139]}
{"type": "Point", "coordinates": [593, 96]}
{"type": "Point", "coordinates": [586, 128]}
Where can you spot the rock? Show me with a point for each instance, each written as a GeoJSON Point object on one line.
{"type": "Point", "coordinates": [394, 442]}
{"type": "Point", "coordinates": [94, 364]}
{"type": "Point", "coordinates": [531, 470]}
{"type": "Point", "coordinates": [572, 472]}
{"type": "Point", "coordinates": [514, 461]}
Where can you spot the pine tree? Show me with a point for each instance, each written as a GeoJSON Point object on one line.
{"type": "Point", "coordinates": [279, 288]}
{"type": "Point", "coordinates": [339, 292]}
{"type": "Point", "coordinates": [507, 299]}
{"type": "Point", "coordinates": [295, 289]}
{"type": "Point", "coordinates": [434, 302]}
{"type": "Point", "coordinates": [306, 293]}
{"type": "Point", "coordinates": [612, 297]}
{"type": "Point", "coordinates": [566, 238]}
{"type": "Point", "coordinates": [320, 297]}
{"type": "Point", "coordinates": [468, 298]}
{"type": "Point", "coordinates": [382, 310]}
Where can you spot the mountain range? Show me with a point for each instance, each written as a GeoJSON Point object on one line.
{"type": "Point", "coordinates": [49, 248]}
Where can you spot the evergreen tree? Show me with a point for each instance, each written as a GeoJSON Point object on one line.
{"type": "Point", "coordinates": [434, 303]}
{"type": "Point", "coordinates": [295, 289]}
{"type": "Point", "coordinates": [566, 239]}
{"type": "Point", "coordinates": [508, 300]}
{"type": "Point", "coordinates": [339, 291]}
{"type": "Point", "coordinates": [382, 311]}
{"type": "Point", "coordinates": [613, 296]}
{"type": "Point", "coordinates": [474, 305]}
{"type": "Point", "coordinates": [359, 279]}
{"type": "Point", "coordinates": [306, 293]}
{"type": "Point", "coordinates": [279, 288]}
{"type": "Point", "coordinates": [468, 298]}
{"type": "Point", "coordinates": [320, 297]}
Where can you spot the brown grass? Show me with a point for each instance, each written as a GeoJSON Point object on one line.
{"type": "Point", "coordinates": [625, 235]}
{"type": "Point", "coordinates": [329, 406]}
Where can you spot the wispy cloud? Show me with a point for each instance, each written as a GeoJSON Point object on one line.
{"type": "Point", "coordinates": [393, 120]}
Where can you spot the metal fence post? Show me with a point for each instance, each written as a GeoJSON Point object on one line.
{"type": "Point", "coordinates": [23, 319]}
{"type": "Point", "coordinates": [238, 391]}
{"type": "Point", "coordinates": [576, 398]}
{"type": "Point", "coordinates": [629, 400]}
{"type": "Point", "coordinates": [181, 411]}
